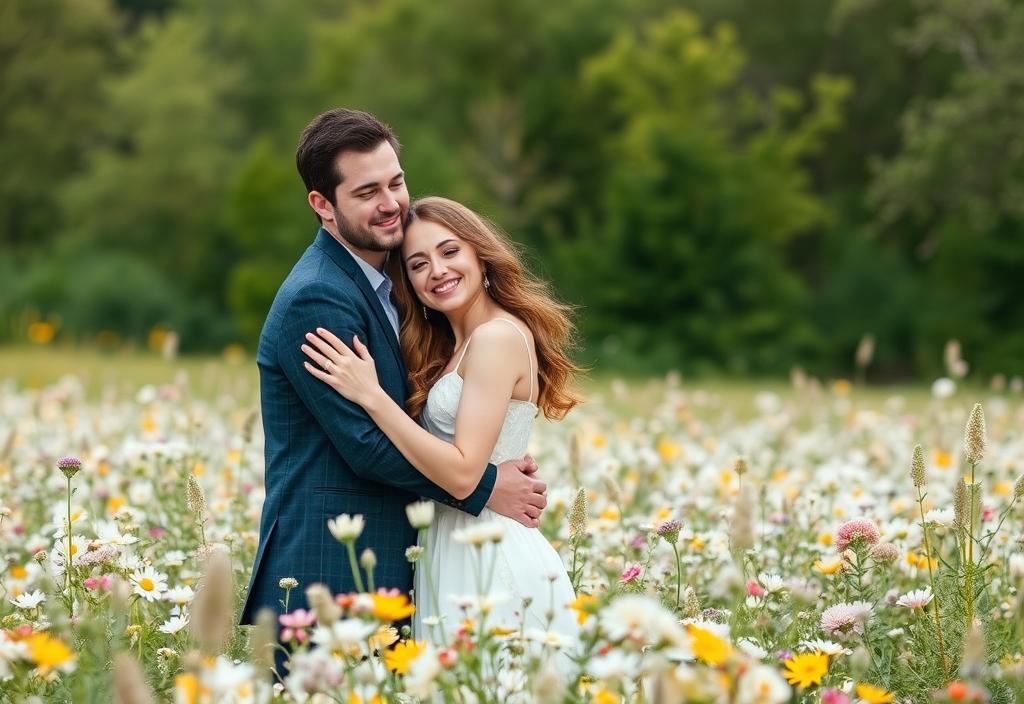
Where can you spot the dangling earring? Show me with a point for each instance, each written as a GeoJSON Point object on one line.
{"type": "Point", "coordinates": [487, 282]}
{"type": "Point", "coordinates": [424, 312]}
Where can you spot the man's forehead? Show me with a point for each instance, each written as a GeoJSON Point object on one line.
{"type": "Point", "coordinates": [381, 164]}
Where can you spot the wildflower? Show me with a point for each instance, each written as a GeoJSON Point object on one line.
{"type": "Point", "coordinates": [827, 647]}
{"type": "Point", "coordinates": [420, 514]}
{"type": "Point", "coordinates": [173, 625]}
{"type": "Point", "coordinates": [629, 574]}
{"type": "Point", "coordinates": [873, 695]}
{"type": "Point", "coordinates": [319, 599]}
{"type": "Point", "coordinates": [288, 583]}
{"type": "Point", "coordinates": [584, 605]}
{"type": "Point", "coordinates": [578, 516]}
{"type": "Point", "coordinates": [834, 696]}
{"type": "Point", "coordinates": [195, 500]}
{"type": "Point", "coordinates": [806, 669]}
{"type": "Point", "coordinates": [49, 654]}
{"type": "Point", "coordinates": [940, 516]}
{"type": "Point", "coordinates": [885, 553]}
{"type": "Point", "coordinates": [855, 532]}
{"type": "Point", "coordinates": [740, 467]}
{"type": "Point", "coordinates": [345, 635]}
{"type": "Point", "coordinates": [917, 599]}
{"type": "Point", "coordinates": [830, 567]}
{"type": "Point", "coordinates": [772, 583]}
{"type": "Point", "coordinates": [212, 612]}
{"type": "Point", "coordinates": [346, 528]}
{"type": "Point", "coordinates": [295, 624]}
{"type": "Point", "coordinates": [640, 620]}
{"type": "Point", "coordinates": [401, 657]}
{"type": "Point", "coordinates": [669, 530]}
{"type": "Point", "coordinates": [974, 435]}
{"type": "Point", "coordinates": [413, 553]}
{"type": "Point", "coordinates": [480, 533]}
{"type": "Point", "coordinates": [1018, 488]}
{"type": "Point", "coordinates": [69, 465]}
{"type": "Point", "coordinates": [960, 504]}
{"type": "Point", "coordinates": [763, 685]}
{"type": "Point", "coordinates": [917, 466]}
{"type": "Point", "coordinates": [29, 601]}
{"type": "Point", "coordinates": [846, 618]}
{"type": "Point", "coordinates": [384, 636]}
{"type": "Point", "coordinates": [943, 387]}
{"type": "Point", "coordinates": [707, 646]}
{"type": "Point", "coordinates": [392, 606]}
{"type": "Point", "coordinates": [149, 584]}
{"type": "Point", "coordinates": [180, 595]}
{"type": "Point", "coordinates": [368, 560]}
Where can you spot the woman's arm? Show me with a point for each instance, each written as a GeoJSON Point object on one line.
{"type": "Point", "coordinates": [491, 370]}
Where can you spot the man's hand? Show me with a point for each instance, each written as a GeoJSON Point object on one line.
{"type": "Point", "coordinates": [517, 492]}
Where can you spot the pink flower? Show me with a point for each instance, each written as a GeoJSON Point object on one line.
{"type": "Point", "coordinates": [295, 624]}
{"type": "Point", "coordinates": [754, 589]}
{"type": "Point", "coordinates": [834, 696]}
{"type": "Point", "coordinates": [630, 574]}
{"type": "Point", "coordinates": [101, 582]}
{"type": "Point", "coordinates": [157, 532]}
{"type": "Point", "coordinates": [846, 618]}
{"type": "Point", "coordinates": [859, 529]}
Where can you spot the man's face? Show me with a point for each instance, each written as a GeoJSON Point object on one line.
{"type": "Point", "coordinates": [371, 202]}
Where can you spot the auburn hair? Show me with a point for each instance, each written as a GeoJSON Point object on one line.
{"type": "Point", "coordinates": [428, 341]}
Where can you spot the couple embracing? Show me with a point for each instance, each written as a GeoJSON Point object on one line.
{"type": "Point", "coordinates": [405, 357]}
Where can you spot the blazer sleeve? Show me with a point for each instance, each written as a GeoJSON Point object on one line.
{"type": "Point", "coordinates": [364, 447]}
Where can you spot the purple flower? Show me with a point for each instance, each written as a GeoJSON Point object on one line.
{"type": "Point", "coordinates": [856, 531]}
{"type": "Point", "coordinates": [69, 465]}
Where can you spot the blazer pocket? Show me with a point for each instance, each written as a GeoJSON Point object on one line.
{"type": "Point", "coordinates": [336, 501]}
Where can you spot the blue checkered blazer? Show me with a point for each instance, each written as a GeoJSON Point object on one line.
{"type": "Point", "coordinates": [324, 455]}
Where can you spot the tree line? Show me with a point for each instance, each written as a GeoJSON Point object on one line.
{"type": "Point", "coordinates": [719, 185]}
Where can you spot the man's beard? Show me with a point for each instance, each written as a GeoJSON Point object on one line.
{"type": "Point", "coordinates": [363, 238]}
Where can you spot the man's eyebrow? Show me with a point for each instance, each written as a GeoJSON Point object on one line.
{"type": "Point", "coordinates": [439, 245]}
{"type": "Point", "coordinates": [373, 184]}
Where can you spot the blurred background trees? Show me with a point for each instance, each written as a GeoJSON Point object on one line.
{"type": "Point", "coordinates": [721, 185]}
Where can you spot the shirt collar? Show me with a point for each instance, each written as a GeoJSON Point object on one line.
{"type": "Point", "coordinates": [376, 278]}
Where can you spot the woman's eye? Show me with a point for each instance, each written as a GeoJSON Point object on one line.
{"type": "Point", "coordinates": [450, 252]}
{"type": "Point", "coordinates": [416, 267]}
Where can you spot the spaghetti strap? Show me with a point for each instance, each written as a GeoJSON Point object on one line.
{"type": "Point", "coordinates": [529, 357]}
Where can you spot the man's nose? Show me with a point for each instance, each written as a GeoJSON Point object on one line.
{"type": "Point", "coordinates": [389, 204]}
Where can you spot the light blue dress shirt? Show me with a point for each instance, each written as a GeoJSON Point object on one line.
{"type": "Point", "coordinates": [382, 285]}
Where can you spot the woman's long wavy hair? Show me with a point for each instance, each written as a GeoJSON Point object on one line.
{"type": "Point", "coordinates": [428, 342]}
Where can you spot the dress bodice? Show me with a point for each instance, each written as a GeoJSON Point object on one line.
{"type": "Point", "coordinates": [443, 404]}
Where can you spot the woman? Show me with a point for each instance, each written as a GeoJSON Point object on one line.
{"type": "Point", "coordinates": [484, 344]}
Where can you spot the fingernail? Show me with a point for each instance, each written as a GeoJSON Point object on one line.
{"type": "Point", "coordinates": [309, 336]}
{"type": "Point", "coordinates": [320, 330]}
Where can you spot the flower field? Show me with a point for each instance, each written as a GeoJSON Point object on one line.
{"type": "Point", "coordinates": [821, 548]}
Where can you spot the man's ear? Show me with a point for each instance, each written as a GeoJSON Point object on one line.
{"type": "Point", "coordinates": [321, 206]}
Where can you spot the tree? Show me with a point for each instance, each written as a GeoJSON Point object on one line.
{"type": "Point", "coordinates": [703, 188]}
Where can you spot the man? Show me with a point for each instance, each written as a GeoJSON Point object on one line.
{"type": "Point", "coordinates": [324, 455]}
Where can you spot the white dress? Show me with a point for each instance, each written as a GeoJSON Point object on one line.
{"type": "Point", "coordinates": [523, 564]}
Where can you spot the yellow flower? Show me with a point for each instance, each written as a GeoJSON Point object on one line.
{"type": "Point", "coordinates": [392, 607]}
{"type": "Point", "coordinates": [18, 572]}
{"type": "Point", "coordinates": [706, 646]}
{"type": "Point", "coordinates": [401, 656]}
{"type": "Point", "coordinates": [41, 333]}
{"type": "Point", "coordinates": [48, 653]}
{"type": "Point", "coordinates": [830, 567]}
{"type": "Point", "coordinates": [942, 459]}
{"type": "Point", "coordinates": [385, 636]}
{"type": "Point", "coordinates": [603, 696]}
{"type": "Point", "coordinates": [356, 699]}
{"type": "Point", "coordinates": [583, 605]}
{"type": "Point", "coordinates": [806, 669]}
{"type": "Point", "coordinates": [874, 695]}
{"type": "Point", "coordinates": [611, 514]}
{"type": "Point", "coordinates": [599, 440]}
{"type": "Point", "coordinates": [825, 539]}
{"type": "Point", "coordinates": [841, 387]}
{"type": "Point", "coordinates": [669, 450]}
{"type": "Point", "coordinates": [186, 688]}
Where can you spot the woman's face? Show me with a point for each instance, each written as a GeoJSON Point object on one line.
{"type": "Point", "coordinates": [444, 270]}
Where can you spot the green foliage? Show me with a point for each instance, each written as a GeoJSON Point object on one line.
{"type": "Point", "coordinates": [738, 187]}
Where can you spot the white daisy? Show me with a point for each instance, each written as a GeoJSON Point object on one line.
{"type": "Point", "coordinates": [149, 584]}
{"type": "Point", "coordinates": [30, 600]}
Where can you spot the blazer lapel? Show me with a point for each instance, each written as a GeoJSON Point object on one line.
{"type": "Point", "coordinates": [344, 259]}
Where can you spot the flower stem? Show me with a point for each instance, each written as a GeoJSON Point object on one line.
{"type": "Point", "coordinates": [67, 564]}
{"type": "Point", "coordinates": [354, 565]}
{"type": "Point", "coordinates": [935, 595]}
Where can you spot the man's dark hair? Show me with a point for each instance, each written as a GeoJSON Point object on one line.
{"type": "Point", "coordinates": [330, 134]}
